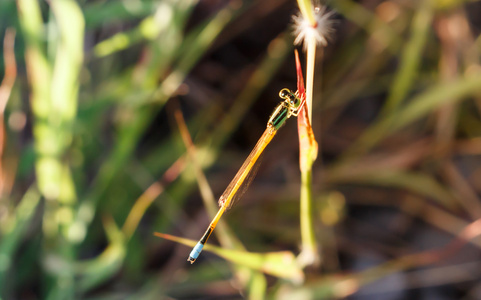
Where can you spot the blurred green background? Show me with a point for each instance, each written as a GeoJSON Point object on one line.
{"type": "Point", "coordinates": [93, 163]}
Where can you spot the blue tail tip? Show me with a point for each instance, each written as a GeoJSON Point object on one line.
{"type": "Point", "coordinates": [194, 254]}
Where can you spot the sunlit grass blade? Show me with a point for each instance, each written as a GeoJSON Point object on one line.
{"type": "Point", "coordinates": [279, 264]}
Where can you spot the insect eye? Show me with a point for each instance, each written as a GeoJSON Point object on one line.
{"type": "Point", "coordinates": [284, 93]}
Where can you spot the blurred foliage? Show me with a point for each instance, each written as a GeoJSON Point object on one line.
{"type": "Point", "coordinates": [92, 161]}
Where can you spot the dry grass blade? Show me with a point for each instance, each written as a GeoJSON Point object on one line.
{"type": "Point", "coordinates": [5, 90]}
{"type": "Point", "coordinates": [149, 195]}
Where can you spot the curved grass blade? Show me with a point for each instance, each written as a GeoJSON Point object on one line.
{"type": "Point", "coordinates": [279, 264]}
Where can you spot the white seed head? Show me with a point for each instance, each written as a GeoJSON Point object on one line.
{"type": "Point", "coordinates": [304, 31]}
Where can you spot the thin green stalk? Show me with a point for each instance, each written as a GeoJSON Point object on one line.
{"type": "Point", "coordinates": [307, 143]}
{"type": "Point", "coordinates": [308, 236]}
{"type": "Point", "coordinates": [309, 244]}
{"type": "Point", "coordinates": [311, 61]}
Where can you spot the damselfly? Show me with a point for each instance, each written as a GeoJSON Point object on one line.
{"type": "Point", "coordinates": [284, 110]}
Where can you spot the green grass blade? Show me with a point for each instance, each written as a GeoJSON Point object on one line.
{"type": "Point", "coordinates": [280, 264]}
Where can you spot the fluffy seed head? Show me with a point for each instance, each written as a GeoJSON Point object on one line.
{"type": "Point", "coordinates": [304, 31]}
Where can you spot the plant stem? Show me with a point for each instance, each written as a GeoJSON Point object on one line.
{"type": "Point", "coordinates": [311, 59]}
{"type": "Point", "coordinates": [309, 243]}
{"type": "Point", "coordinates": [307, 146]}
{"type": "Point", "coordinates": [306, 8]}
